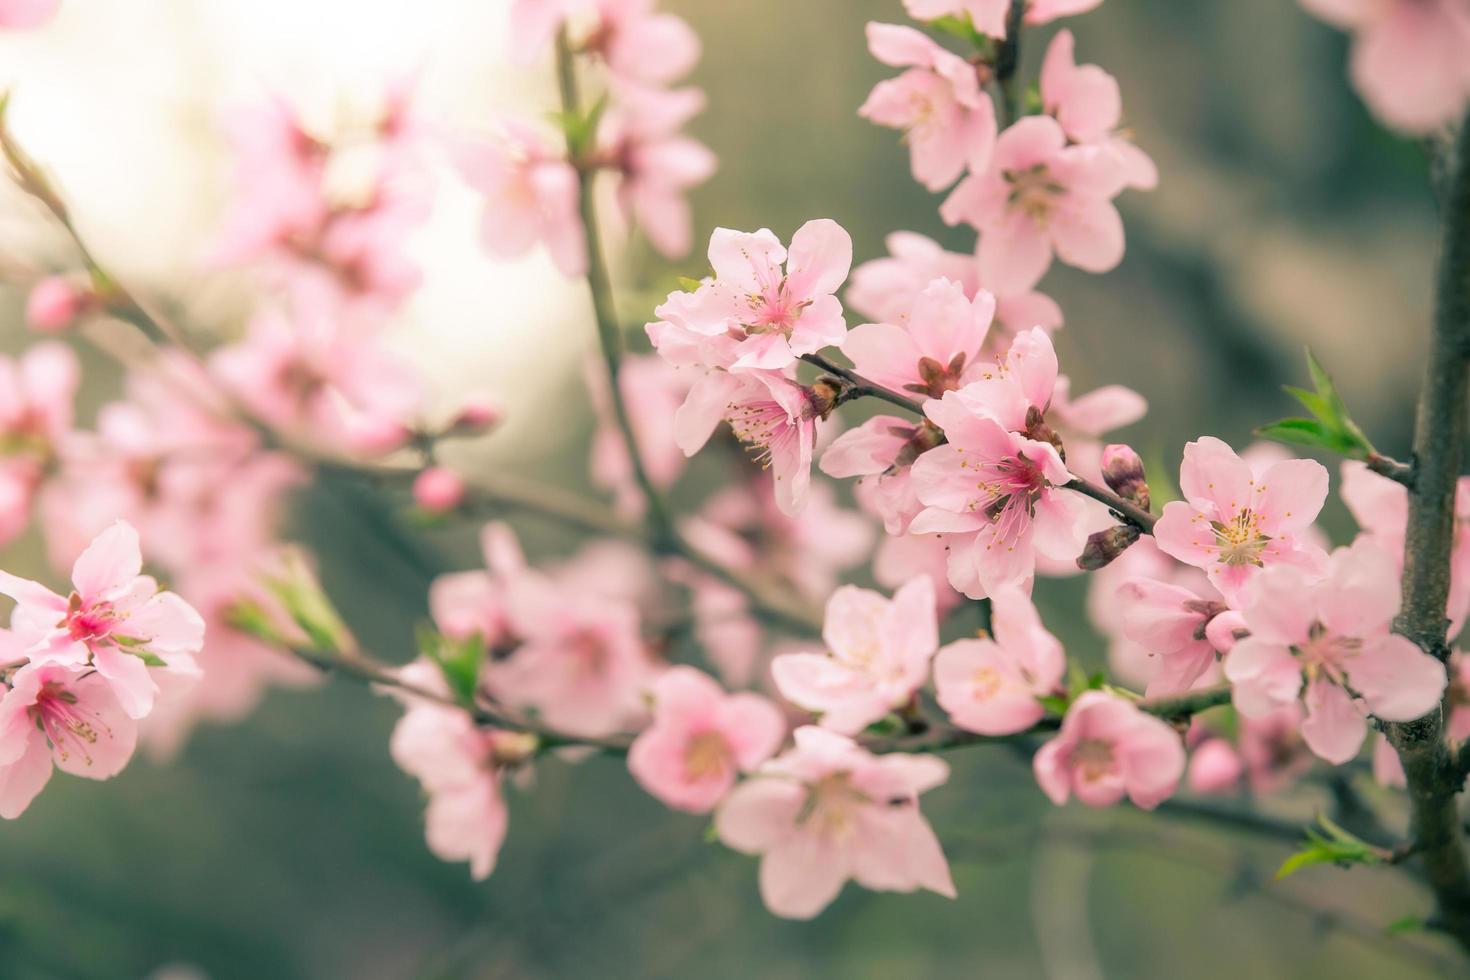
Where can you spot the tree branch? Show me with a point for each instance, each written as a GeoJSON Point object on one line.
{"type": "Point", "coordinates": [1440, 429]}
{"type": "Point", "coordinates": [1007, 61]}
{"type": "Point", "coordinates": [1125, 509]}
{"type": "Point", "coordinates": [859, 386]}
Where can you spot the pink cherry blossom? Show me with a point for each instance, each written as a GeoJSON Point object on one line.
{"type": "Point", "coordinates": [67, 715]}
{"type": "Point", "coordinates": [887, 289]}
{"type": "Point", "coordinates": [986, 16]}
{"type": "Point", "coordinates": [1081, 422]}
{"type": "Point", "coordinates": [997, 490]}
{"type": "Point", "coordinates": [948, 122]}
{"type": "Point", "coordinates": [641, 44]}
{"type": "Point", "coordinates": [778, 314]}
{"type": "Point", "coordinates": [1381, 508]}
{"type": "Point", "coordinates": [533, 23]}
{"type": "Point", "coordinates": [1084, 99]}
{"type": "Point", "coordinates": [456, 764]}
{"type": "Point", "coordinates": [531, 195]}
{"type": "Point", "coordinates": [878, 653]}
{"type": "Point", "coordinates": [1046, 11]}
{"type": "Point", "coordinates": [1408, 59]}
{"type": "Point", "coordinates": [899, 559]}
{"type": "Point", "coordinates": [116, 621]}
{"type": "Point", "coordinates": [993, 686]}
{"type": "Point", "coordinates": [1272, 748]}
{"type": "Point", "coordinates": [700, 738]}
{"type": "Point", "coordinates": [316, 378]}
{"type": "Point", "coordinates": [826, 811]}
{"type": "Point", "coordinates": [54, 304]}
{"type": "Point", "coordinates": [1040, 195]}
{"type": "Point", "coordinates": [36, 397]}
{"type": "Point", "coordinates": [1233, 523]}
{"type": "Point", "coordinates": [1335, 632]}
{"type": "Point", "coordinates": [639, 139]}
{"type": "Point", "coordinates": [932, 349]}
{"type": "Point", "coordinates": [580, 662]}
{"type": "Point", "coordinates": [1171, 623]}
{"type": "Point", "coordinates": [882, 451]}
{"type": "Point", "coordinates": [23, 15]}
{"type": "Point", "coordinates": [1108, 748]}
{"type": "Point", "coordinates": [776, 419]}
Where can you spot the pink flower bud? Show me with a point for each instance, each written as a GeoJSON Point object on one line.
{"type": "Point", "coordinates": [1103, 546]}
{"type": "Point", "coordinates": [54, 304]}
{"type": "Point", "coordinates": [1215, 769]}
{"type": "Point", "coordinates": [1123, 473]}
{"type": "Point", "coordinates": [476, 416]}
{"type": "Point", "coordinates": [438, 490]}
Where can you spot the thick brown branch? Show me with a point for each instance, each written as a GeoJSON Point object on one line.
{"type": "Point", "coordinates": [1440, 429]}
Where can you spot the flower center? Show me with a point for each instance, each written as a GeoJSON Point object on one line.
{"type": "Point", "coordinates": [67, 726]}
{"type": "Point", "coordinates": [831, 806]}
{"type": "Point", "coordinates": [87, 623]}
{"type": "Point", "coordinates": [706, 755]}
{"type": "Point", "coordinates": [1009, 490]}
{"type": "Point", "coordinates": [1034, 192]}
{"type": "Point", "coordinates": [773, 310]}
{"type": "Point", "coordinates": [1240, 541]}
{"type": "Point", "coordinates": [1327, 654]}
{"type": "Point", "coordinates": [1094, 759]}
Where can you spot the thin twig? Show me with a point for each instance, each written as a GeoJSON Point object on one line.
{"type": "Point", "coordinates": [859, 386]}
{"type": "Point", "coordinates": [1125, 509]}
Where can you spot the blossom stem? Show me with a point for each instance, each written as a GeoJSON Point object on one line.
{"type": "Point", "coordinates": [1007, 61]}
{"type": "Point", "coordinates": [599, 284]}
{"type": "Point", "coordinates": [859, 386]}
{"type": "Point", "coordinates": [1440, 429]}
{"type": "Point", "coordinates": [362, 667]}
{"type": "Point", "coordinates": [1125, 509]}
{"type": "Point", "coordinates": [1393, 469]}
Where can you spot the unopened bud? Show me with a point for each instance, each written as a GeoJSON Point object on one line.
{"type": "Point", "coordinates": [824, 395]}
{"type": "Point", "coordinates": [513, 748]}
{"type": "Point", "coordinates": [438, 490]}
{"type": "Point", "coordinates": [1123, 473]}
{"type": "Point", "coordinates": [1103, 546]}
{"type": "Point", "coordinates": [475, 417]}
{"type": "Point", "coordinates": [54, 304]}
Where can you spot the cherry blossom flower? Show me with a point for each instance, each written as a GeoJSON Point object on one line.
{"type": "Point", "coordinates": [1084, 99]}
{"type": "Point", "coordinates": [933, 348]}
{"type": "Point", "coordinates": [899, 559]}
{"type": "Point", "coordinates": [994, 686]}
{"type": "Point", "coordinates": [776, 419]}
{"type": "Point", "coordinates": [641, 44]}
{"type": "Point", "coordinates": [1273, 750]}
{"type": "Point", "coordinates": [115, 621]}
{"type": "Point", "coordinates": [700, 738]}
{"type": "Point", "coordinates": [882, 451]}
{"type": "Point", "coordinates": [580, 662]}
{"type": "Point", "coordinates": [639, 139]}
{"type": "Point", "coordinates": [780, 314]}
{"type": "Point", "coordinates": [948, 122]}
{"type": "Point", "coordinates": [1001, 486]}
{"type": "Point", "coordinates": [438, 489]}
{"type": "Point", "coordinates": [1108, 748]}
{"type": "Point", "coordinates": [456, 764]}
{"type": "Point", "coordinates": [531, 195]}
{"type": "Point", "coordinates": [36, 397]}
{"type": "Point", "coordinates": [1233, 524]}
{"type": "Point", "coordinates": [61, 714]}
{"type": "Point", "coordinates": [1334, 633]}
{"type": "Point", "coordinates": [1215, 768]}
{"type": "Point", "coordinates": [826, 811]}
{"type": "Point", "coordinates": [1381, 508]}
{"type": "Point", "coordinates": [1176, 625]}
{"type": "Point", "coordinates": [887, 289]}
{"type": "Point", "coordinates": [1040, 195]}
{"type": "Point", "coordinates": [315, 377]}
{"type": "Point", "coordinates": [1408, 59]}
{"type": "Point", "coordinates": [878, 653]}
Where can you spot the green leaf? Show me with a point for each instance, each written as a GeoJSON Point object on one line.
{"type": "Point", "coordinates": [459, 660]}
{"type": "Point", "coordinates": [1330, 427]}
{"type": "Point", "coordinates": [151, 659]}
{"type": "Point", "coordinates": [1335, 846]}
{"type": "Point", "coordinates": [961, 27]}
{"type": "Point", "coordinates": [1054, 703]}
{"type": "Point", "coordinates": [689, 285]}
{"type": "Point", "coordinates": [1408, 923]}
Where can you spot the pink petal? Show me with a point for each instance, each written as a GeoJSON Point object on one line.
{"type": "Point", "coordinates": [759, 813]}
{"type": "Point", "coordinates": [801, 875]}
{"type": "Point", "coordinates": [1265, 676]}
{"type": "Point", "coordinates": [111, 561]}
{"type": "Point", "coordinates": [1398, 681]}
{"type": "Point", "coordinates": [22, 780]}
{"type": "Point", "coordinates": [1088, 234]}
{"type": "Point", "coordinates": [1334, 728]}
{"type": "Point", "coordinates": [819, 259]}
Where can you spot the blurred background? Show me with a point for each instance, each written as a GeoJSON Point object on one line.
{"type": "Point", "coordinates": [290, 846]}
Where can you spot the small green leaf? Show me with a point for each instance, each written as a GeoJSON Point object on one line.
{"type": "Point", "coordinates": [151, 659]}
{"type": "Point", "coordinates": [459, 660]}
{"type": "Point", "coordinates": [961, 27]}
{"type": "Point", "coordinates": [1335, 846]}
{"type": "Point", "coordinates": [1408, 923]}
{"type": "Point", "coordinates": [1054, 703]}
{"type": "Point", "coordinates": [1330, 428]}
{"type": "Point", "coordinates": [689, 285]}
{"type": "Point", "coordinates": [890, 724]}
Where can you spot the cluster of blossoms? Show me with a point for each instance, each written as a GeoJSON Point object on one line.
{"type": "Point", "coordinates": [990, 480]}
{"type": "Point", "coordinates": [80, 672]}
